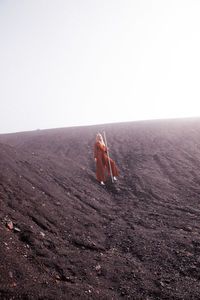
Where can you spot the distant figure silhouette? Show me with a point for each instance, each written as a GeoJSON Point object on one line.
{"type": "Point", "coordinates": [102, 160]}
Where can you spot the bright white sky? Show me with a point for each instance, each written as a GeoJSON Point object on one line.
{"type": "Point", "coordinates": [81, 62]}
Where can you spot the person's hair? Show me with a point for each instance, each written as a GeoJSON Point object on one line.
{"type": "Point", "coordinates": [99, 136]}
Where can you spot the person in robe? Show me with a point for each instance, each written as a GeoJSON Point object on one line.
{"type": "Point", "coordinates": [102, 161]}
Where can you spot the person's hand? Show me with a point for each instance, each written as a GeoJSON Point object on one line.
{"type": "Point", "coordinates": [95, 159]}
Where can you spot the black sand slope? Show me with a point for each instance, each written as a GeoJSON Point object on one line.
{"type": "Point", "coordinates": [63, 236]}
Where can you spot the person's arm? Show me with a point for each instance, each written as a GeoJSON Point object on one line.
{"type": "Point", "coordinates": [105, 149]}
{"type": "Point", "coordinates": [95, 151]}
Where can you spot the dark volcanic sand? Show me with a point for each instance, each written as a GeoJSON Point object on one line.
{"type": "Point", "coordinates": [136, 239]}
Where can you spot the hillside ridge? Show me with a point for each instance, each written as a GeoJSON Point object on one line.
{"type": "Point", "coordinates": [64, 235]}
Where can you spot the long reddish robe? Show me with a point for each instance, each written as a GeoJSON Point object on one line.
{"type": "Point", "coordinates": [102, 162]}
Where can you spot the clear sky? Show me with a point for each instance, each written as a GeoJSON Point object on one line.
{"type": "Point", "coordinates": [81, 62]}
